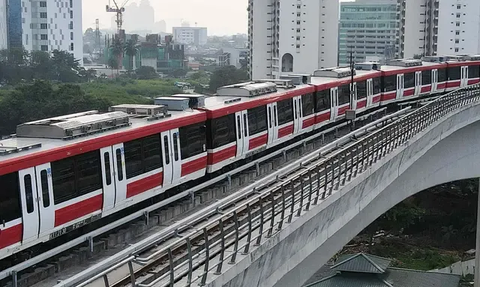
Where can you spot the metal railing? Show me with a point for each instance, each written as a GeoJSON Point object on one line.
{"type": "Point", "coordinates": [218, 240]}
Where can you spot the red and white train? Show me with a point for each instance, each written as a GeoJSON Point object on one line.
{"type": "Point", "coordinates": [64, 172]}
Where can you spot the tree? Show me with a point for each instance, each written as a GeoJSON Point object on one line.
{"type": "Point", "coordinates": [117, 50]}
{"type": "Point", "coordinates": [226, 76]}
{"type": "Point", "coordinates": [131, 49]}
{"type": "Point", "coordinates": [178, 73]}
{"type": "Point", "coordinates": [146, 73]}
{"type": "Point", "coordinates": [65, 66]}
{"type": "Point", "coordinates": [113, 63]}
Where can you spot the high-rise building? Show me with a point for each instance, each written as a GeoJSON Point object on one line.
{"type": "Point", "coordinates": [190, 35]}
{"type": "Point", "coordinates": [3, 25]}
{"type": "Point", "coordinates": [368, 29]}
{"type": "Point", "coordinates": [293, 36]}
{"type": "Point", "coordinates": [439, 27]}
{"type": "Point", "coordinates": [44, 25]}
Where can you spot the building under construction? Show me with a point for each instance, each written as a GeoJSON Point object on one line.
{"type": "Point", "coordinates": [164, 56]}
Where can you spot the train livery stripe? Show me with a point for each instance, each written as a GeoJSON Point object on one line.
{"type": "Point", "coordinates": [11, 235]}
{"type": "Point", "coordinates": [258, 141]}
{"type": "Point", "coordinates": [473, 81]}
{"type": "Point", "coordinates": [376, 98]}
{"type": "Point", "coordinates": [219, 156]}
{"type": "Point", "coordinates": [342, 110]}
{"type": "Point", "coordinates": [77, 210]}
{"type": "Point", "coordinates": [389, 96]}
{"type": "Point", "coordinates": [144, 184]}
{"type": "Point", "coordinates": [453, 84]}
{"type": "Point", "coordinates": [361, 103]}
{"type": "Point", "coordinates": [320, 118]}
{"type": "Point", "coordinates": [441, 86]}
{"type": "Point", "coordinates": [426, 89]}
{"type": "Point", "coordinates": [308, 122]}
{"type": "Point", "coordinates": [285, 131]}
{"type": "Point", "coordinates": [409, 92]}
{"type": "Point", "coordinates": [194, 165]}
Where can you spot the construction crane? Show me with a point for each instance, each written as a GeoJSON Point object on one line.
{"type": "Point", "coordinates": [119, 9]}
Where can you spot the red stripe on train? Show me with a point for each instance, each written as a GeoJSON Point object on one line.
{"type": "Point", "coordinates": [441, 86]}
{"type": "Point", "coordinates": [453, 84]}
{"type": "Point", "coordinates": [194, 165]}
{"type": "Point", "coordinates": [361, 103]}
{"type": "Point", "coordinates": [285, 131]}
{"type": "Point", "coordinates": [258, 141]}
{"type": "Point", "coordinates": [308, 122]}
{"type": "Point", "coordinates": [342, 110]}
{"type": "Point", "coordinates": [473, 81]}
{"type": "Point", "coordinates": [426, 89]}
{"type": "Point", "coordinates": [219, 156]}
{"type": "Point", "coordinates": [409, 92]}
{"type": "Point", "coordinates": [322, 118]}
{"type": "Point", "coordinates": [376, 98]}
{"type": "Point", "coordinates": [389, 96]}
{"type": "Point", "coordinates": [11, 235]}
{"type": "Point", "coordinates": [144, 184]}
{"type": "Point", "coordinates": [77, 210]}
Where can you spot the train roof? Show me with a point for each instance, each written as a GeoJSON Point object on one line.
{"type": "Point", "coordinates": [391, 68]}
{"type": "Point", "coordinates": [52, 139]}
{"type": "Point", "coordinates": [330, 82]}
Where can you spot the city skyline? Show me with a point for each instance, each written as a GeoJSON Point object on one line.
{"type": "Point", "coordinates": [232, 20]}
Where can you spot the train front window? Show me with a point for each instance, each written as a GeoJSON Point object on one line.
{"type": "Point", "coordinates": [9, 197]}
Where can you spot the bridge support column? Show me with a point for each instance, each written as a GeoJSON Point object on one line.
{"type": "Point", "coordinates": [477, 251]}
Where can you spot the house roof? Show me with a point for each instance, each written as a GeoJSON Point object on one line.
{"type": "Point", "coordinates": [405, 277]}
{"type": "Point", "coordinates": [362, 263]}
{"type": "Point", "coordinates": [350, 280]}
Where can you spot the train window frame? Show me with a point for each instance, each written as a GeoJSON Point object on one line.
{"type": "Point", "coordinates": [221, 131]}
{"type": "Point", "coordinates": [28, 185]}
{"type": "Point", "coordinates": [344, 94]}
{"type": "Point", "coordinates": [166, 150]}
{"type": "Point", "coordinates": [389, 83]}
{"type": "Point", "coordinates": [454, 73]}
{"type": "Point", "coordinates": [192, 140]}
{"type": "Point", "coordinates": [361, 85]}
{"type": "Point", "coordinates": [442, 75]}
{"type": "Point", "coordinates": [377, 85]}
{"type": "Point", "coordinates": [133, 151]}
{"type": "Point", "coordinates": [10, 204]}
{"type": "Point", "coordinates": [409, 80]}
{"type": "Point", "coordinates": [45, 188]}
{"type": "Point", "coordinates": [308, 104]}
{"type": "Point", "coordinates": [154, 160]}
{"type": "Point", "coordinates": [93, 162]}
{"type": "Point", "coordinates": [473, 72]}
{"type": "Point", "coordinates": [257, 120]}
{"type": "Point", "coordinates": [426, 77]}
{"type": "Point", "coordinates": [323, 101]}
{"type": "Point", "coordinates": [108, 172]}
{"type": "Point", "coordinates": [63, 183]}
{"type": "Point", "coordinates": [285, 111]}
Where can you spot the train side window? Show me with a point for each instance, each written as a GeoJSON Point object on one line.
{"type": "Point", "coordinates": [361, 89]}
{"type": "Point", "coordinates": [344, 94]}
{"type": "Point", "coordinates": [108, 172]}
{"type": "Point", "coordinates": [390, 83]}
{"type": "Point", "coordinates": [221, 131]}
{"type": "Point", "coordinates": [322, 101]}
{"type": "Point", "coordinates": [192, 140]}
{"type": "Point", "coordinates": [442, 75]}
{"type": "Point", "coordinates": [377, 86]}
{"type": "Point", "coordinates": [167, 150]}
{"type": "Point", "coordinates": [426, 77]}
{"type": "Point", "coordinates": [175, 146]}
{"type": "Point", "coordinates": [285, 111]}
{"type": "Point", "coordinates": [10, 197]}
{"type": "Point", "coordinates": [308, 105]}
{"type": "Point", "coordinates": [269, 120]}
{"type": "Point", "coordinates": [45, 189]}
{"type": "Point", "coordinates": [257, 120]}
{"type": "Point", "coordinates": [27, 181]}
{"type": "Point", "coordinates": [245, 128]}
{"type": "Point", "coordinates": [239, 127]}
{"type": "Point", "coordinates": [63, 177]}
{"type": "Point", "coordinates": [88, 170]}
{"type": "Point", "coordinates": [409, 80]}
{"type": "Point", "coordinates": [118, 154]}
{"type": "Point", "coordinates": [454, 73]}
{"type": "Point", "coordinates": [133, 157]}
{"type": "Point", "coordinates": [473, 72]}
{"type": "Point", "coordinates": [152, 152]}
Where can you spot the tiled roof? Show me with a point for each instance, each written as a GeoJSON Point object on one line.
{"type": "Point", "coordinates": [362, 263]}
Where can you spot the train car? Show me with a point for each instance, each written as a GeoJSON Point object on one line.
{"type": "Point", "coordinates": [462, 70]}
{"type": "Point", "coordinates": [61, 173]}
{"type": "Point", "coordinates": [405, 79]}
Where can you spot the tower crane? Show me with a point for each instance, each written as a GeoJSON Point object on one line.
{"type": "Point", "coordinates": [119, 9]}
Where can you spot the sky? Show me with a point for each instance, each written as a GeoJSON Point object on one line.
{"type": "Point", "coordinates": [221, 17]}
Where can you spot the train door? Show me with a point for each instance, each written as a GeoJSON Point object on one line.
{"type": "Point", "coordinates": [434, 80]}
{"type": "Point", "coordinates": [272, 122]}
{"type": "Point", "coordinates": [400, 85]}
{"type": "Point", "coordinates": [45, 201]}
{"type": "Point", "coordinates": [119, 174]}
{"type": "Point", "coordinates": [464, 76]}
{"type": "Point", "coordinates": [354, 98]}
{"type": "Point", "coordinates": [334, 102]}
{"type": "Point", "coordinates": [418, 83]}
{"type": "Point", "coordinates": [172, 163]}
{"type": "Point", "coordinates": [30, 214]}
{"type": "Point", "coordinates": [241, 127]}
{"type": "Point", "coordinates": [297, 114]}
{"type": "Point", "coordinates": [369, 92]}
{"type": "Point", "coordinates": [107, 178]}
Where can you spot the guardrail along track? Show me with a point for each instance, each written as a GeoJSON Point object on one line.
{"type": "Point", "coordinates": [203, 248]}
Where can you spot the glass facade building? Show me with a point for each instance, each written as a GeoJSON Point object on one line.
{"type": "Point", "coordinates": [14, 23]}
{"type": "Point", "coordinates": [368, 28]}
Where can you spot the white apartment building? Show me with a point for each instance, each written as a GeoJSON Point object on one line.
{"type": "Point", "coordinates": [3, 25]}
{"type": "Point", "coordinates": [49, 25]}
{"type": "Point", "coordinates": [439, 27]}
{"type": "Point", "coordinates": [293, 36]}
{"type": "Point", "coordinates": [190, 35]}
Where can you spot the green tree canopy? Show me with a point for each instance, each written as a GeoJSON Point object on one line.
{"type": "Point", "coordinates": [146, 73]}
{"type": "Point", "coordinates": [226, 76]}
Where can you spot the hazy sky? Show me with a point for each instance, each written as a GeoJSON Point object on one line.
{"type": "Point", "coordinates": [222, 17]}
